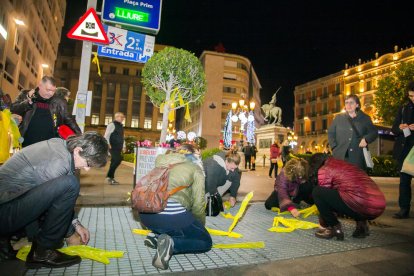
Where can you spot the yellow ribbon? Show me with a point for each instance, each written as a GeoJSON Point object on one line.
{"type": "Point", "coordinates": [216, 232]}
{"type": "Point", "coordinates": [242, 245]}
{"type": "Point", "coordinates": [83, 251]}
{"type": "Point", "coordinates": [95, 60]}
{"type": "Point", "coordinates": [176, 96]}
{"type": "Point", "coordinates": [187, 115]}
{"type": "Point", "coordinates": [142, 232]}
{"type": "Point", "coordinates": [290, 225]}
{"type": "Point", "coordinates": [241, 210]}
{"type": "Point", "coordinates": [313, 210]}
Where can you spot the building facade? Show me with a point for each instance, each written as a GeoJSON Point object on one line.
{"type": "Point", "coordinates": [119, 88]}
{"type": "Point", "coordinates": [30, 33]}
{"type": "Point", "coordinates": [318, 102]}
{"type": "Point", "coordinates": [229, 78]}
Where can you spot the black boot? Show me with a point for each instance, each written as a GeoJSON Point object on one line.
{"type": "Point", "coordinates": [40, 257]}
{"type": "Point", "coordinates": [361, 230]}
{"type": "Point", "coordinates": [330, 232]}
{"type": "Point", "coordinates": [402, 214]}
{"type": "Point", "coordinates": [6, 250]}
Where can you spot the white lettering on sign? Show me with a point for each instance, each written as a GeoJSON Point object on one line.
{"type": "Point", "coordinates": [134, 3]}
{"type": "Point", "coordinates": [146, 5]}
{"type": "Point", "coordinates": [111, 51]}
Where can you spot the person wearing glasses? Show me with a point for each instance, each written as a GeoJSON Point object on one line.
{"type": "Point", "coordinates": [38, 184]}
{"type": "Point", "coordinates": [350, 132]}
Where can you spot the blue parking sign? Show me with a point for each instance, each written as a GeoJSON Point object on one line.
{"type": "Point", "coordinates": [127, 45]}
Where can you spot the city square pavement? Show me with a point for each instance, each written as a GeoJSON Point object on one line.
{"type": "Point", "coordinates": [389, 250]}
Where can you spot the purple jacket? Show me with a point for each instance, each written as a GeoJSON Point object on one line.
{"type": "Point", "coordinates": [286, 190]}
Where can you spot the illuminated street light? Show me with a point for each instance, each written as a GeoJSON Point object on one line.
{"type": "Point", "coordinates": [19, 22]}
{"type": "Point", "coordinates": [44, 65]}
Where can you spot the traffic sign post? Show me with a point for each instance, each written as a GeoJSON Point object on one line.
{"type": "Point", "coordinates": [144, 16]}
{"type": "Point", "coordinates": [127, 45]}
{"type": "Point", "coordinates": [89, 28]}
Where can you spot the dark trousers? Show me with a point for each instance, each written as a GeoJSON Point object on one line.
{"type": "Point", "coordinates": [253, 162]}
{"type": "Point", "coordinates": [116, 160]}
{"type": "Point", "coordinates": [404, 200]}
{"type": "Point", "coordinates": [304, 194]}
{"type": "Point", "coordinates": [248, 159]}
{"type": "Point", "coordinates": [192, 238]}
{"type": "Point", "coordinates": [54, 200]}
{"type": "Point", "coordinates": [273, 166]}
{"type": "Point", "coordinates": [330, 203]}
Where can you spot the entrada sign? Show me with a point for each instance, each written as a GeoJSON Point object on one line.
{"type": "Point", "coordinates": [144, 16]}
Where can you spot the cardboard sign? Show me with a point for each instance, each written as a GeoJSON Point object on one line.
{"type": "Point", "coordinates": [145, 160]}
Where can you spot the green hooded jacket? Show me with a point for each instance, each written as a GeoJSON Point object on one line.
{"type": "Point", "coordinates": [186, 174]}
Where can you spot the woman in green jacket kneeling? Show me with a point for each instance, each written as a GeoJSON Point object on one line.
{"type": "Point", "coordinates": [180, 227]}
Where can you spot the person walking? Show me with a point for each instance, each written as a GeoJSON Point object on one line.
{"type": "Point", "coordinates": [43, 113]}
{"type": "Point", "coordinates": [247, 150]}
{"type": "Point", "coordinates": [403, 129]}
{"type": "Point", "coordinates": [179, 228]}
{"type": "Point", "coordinates": [114, 134]}
{"type": "Point", "coordinates": [350, 132]}
{"type": "Point", "coordinates": [274, 155]}
{"type": "Point", "coordinates": [253, 158]}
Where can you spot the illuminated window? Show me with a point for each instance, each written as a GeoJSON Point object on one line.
{"type": "Point", "coordinates": [159, 125]}
{"type": "Point", "coordinates": [95, 119]}
{"type": "Point", "coordinates": [229, 89]}
{"type": "Point", "coordinates": [135, 122]}
{"type": "Point", "coordinates": [147, 123]}
{"type": "Point", "coordinates": [108, 119]}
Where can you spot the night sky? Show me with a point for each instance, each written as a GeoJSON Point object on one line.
{"type": "Point", "coordinates": [289, 42]}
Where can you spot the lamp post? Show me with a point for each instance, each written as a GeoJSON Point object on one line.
{"type": "Point", "coordinates": [292, 139]}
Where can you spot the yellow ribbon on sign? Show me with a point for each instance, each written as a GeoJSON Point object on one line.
{"type": "Point", "coordinates": [95, 60]}
{"type": "Point", "coordinates": [242, 245]}
{"type": "Point", "coordinates": [290, 225]}
{"type": "Point", "coordinates": [141, 232]}
{"type": "Point", "coordinates": [83, 251]}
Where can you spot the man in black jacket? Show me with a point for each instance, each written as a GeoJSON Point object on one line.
{"type": "Point", "coordinates": [403, 129]}
{"type": "Point", "coordinates": [43, 113]}
{"type": "Point", "coordinates": [114, 134]}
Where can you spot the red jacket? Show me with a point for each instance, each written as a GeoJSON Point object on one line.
{"type": "Point", "coordinates": [355, 187]}
{"type": "Point", "coordinates": [274, 151]}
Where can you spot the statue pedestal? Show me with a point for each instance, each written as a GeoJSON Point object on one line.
{"type": "Point", "coordinates": [265, 136]}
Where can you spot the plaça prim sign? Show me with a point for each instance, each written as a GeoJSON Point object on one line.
{"type": "Point", "coordinates": [144, 16]}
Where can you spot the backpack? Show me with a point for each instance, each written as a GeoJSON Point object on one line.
{"type": "Point", "coordinates": [150, 194]}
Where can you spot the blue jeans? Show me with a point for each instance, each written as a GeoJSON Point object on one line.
{"type": "Point", "coordinates": [192, 238]}
{"type": "Point", "coordinates": [54, 200]}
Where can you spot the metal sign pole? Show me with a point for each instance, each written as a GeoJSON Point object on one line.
{"type": "Point", "coordinates": [84, 77]}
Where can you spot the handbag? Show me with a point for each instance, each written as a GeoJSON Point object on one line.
{"type": "Point", "coordinates": [273, 160]}
{"type": "Point", "coordinates": [366, 152]}
{"type": "Point", "coordinates": [214, 205]}
{"type": "Point", "coordinates": [280, 162]}
{"type": "Point", "coordinates": [408, 164]}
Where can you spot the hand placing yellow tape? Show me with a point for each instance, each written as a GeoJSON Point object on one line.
{"type": "Point", "coordinates": [290, 225]}
{"type": "Point", "coordinates": [313, 210]}
{"type": "Point", "coordinates": [243, 245]}
{"type": "Point", "coordinates": [83, 251]}
{"type": "Point", "coordinates": [240, 213]}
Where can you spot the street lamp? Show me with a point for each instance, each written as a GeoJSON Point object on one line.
{"type": "Point", "coordinates": [19, 22]}
{"type": "Point", "coordinates": [292, 139]}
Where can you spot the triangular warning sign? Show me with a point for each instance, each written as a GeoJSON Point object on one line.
{"type": "Point", "coordinates": [89, 28]}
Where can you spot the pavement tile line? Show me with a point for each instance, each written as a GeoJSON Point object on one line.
{"type": "Point", "coordinates": [111, 229]}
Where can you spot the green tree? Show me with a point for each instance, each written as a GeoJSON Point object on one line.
{"type": "Point", "coordinates": [391, 93]}
{"type": "Point", "coordinates": [173, 78]}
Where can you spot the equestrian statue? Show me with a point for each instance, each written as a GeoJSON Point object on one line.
{"type": "Point", "coordinates": [272, 111]}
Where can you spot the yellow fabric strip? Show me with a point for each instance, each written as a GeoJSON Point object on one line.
{"type": "Point", "coordinates": [313, 210]}
{"type": "Point", "coordinates": [243, 245]}
{"type": "Point", "coordinates": [95, 60]}
{"type": "Point", "coordinates": [241, 210]}
{"type": "Point", "coordinates": [290, 225]}
{"type": "Point", "coordinates": [83, 251]}
{"type": "Point", "coordinates": [141, 232]}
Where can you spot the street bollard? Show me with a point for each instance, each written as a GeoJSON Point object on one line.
{"type": "Point", "coordinates": [264, 160]}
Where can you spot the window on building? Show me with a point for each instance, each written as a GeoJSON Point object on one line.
{"type": "Point", "coordinates": [147, 123]}
{"type": "Point", "coordinates": [352, 89]}
{"type": "Point", "coordinates": [228, 89]}
{"type": "Point", "coordinates": [111, 90]}
{"type": "Point", "coordinates": [125, 71]}
{"type": "Point", "coordinates": [313, 126]}
{"type": "Point", "coordinates": [302, 128]}
{"type": "Point", "coordinates": [123, 106]}
{"type": "Point", "coordinates": [22, 81]}
{"type": "Point", "coordinates": [338, 105]}
{"type": "Point", "coordinates": [302, 112]}
{"type": "Point", "coordinates": [64, 65]}
{"type": "Point", "coordinates": [369, 85]}
{"type": "Point", "coordinates": [63, 82]}
{"type": "Point", "coordinates": [149, 107]}
{"type": "Point", "coordinates": [137, 92]}
{"type": "Point", "coordinates": [112, 69]}
{"type": "Point", "coordinates": [228, 76]}
{"type": "Point", "coordinates": [9, 69]}
{"type": "Point", "coordinates": [337, 87]}
{"type": "Point", "coordinates": [324, 124]}
{"type": "Point", "coordinates": [325, 91]}
{"type": "Point", "coordinates": [136, 107]}
{"type": "Point", "coordinates": [138, 73]}
{"type": "Point", "coordinates": [17, 42]}
{"type": "Point", "coordinates": [313, 94]}
{"type": "Point", "coordinates": [242, 66]}
{"type": "Point", "coordinates": [313, 110]}
{"type": "Point", "coordinates": [124, 91]}
{"type": "Point", "coordinates": [325, 108]}
{"type": "Point", "coordinates": [135, 122]}
{"type": "Point", "coordinates": [109, 106]}
{"type": "Point", "coordinates": [108, 119]}
{"type": "Point", "coordinates": [159, 125]}
{"type": "Point", "coordinates": [95, 119]}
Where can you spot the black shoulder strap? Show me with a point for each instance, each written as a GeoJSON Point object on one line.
{"type": "Point", "coordinates": [354, 127]}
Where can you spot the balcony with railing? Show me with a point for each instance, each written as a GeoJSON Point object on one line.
{"type": "Point", "coordinates": [324, 96]}
{"type": "Point", "coordinates": [312, 99]}
{"type": "Point", "coordinates": [302, 101]}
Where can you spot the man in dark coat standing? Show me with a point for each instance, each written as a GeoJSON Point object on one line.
{"type": "Point", "coordinates": [403, 129]}
{"type": "Point", "coordinates": [114, 134]}
{"type": "Point", "coordinates": [350, 132]}
{"type": "Point", "coordinates": [247, 150]}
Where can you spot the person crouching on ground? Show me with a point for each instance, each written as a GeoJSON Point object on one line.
{"type": "Point", "coordinates": [39, 181]}
{"type": "Point", "coordinates": [345, 189]}
{"type": "Point", "coordinates": [180, 227]}
{"type": "Point", "coordinates": [291, 187]}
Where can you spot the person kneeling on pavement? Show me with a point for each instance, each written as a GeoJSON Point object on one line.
{"type": "Point", "coordinates": [39, 182]}
{"type": "Point", "coordinates": [179, 228]}
{"type": "Point", "coordinates": [291, 187]}
{"type": "Point", "coordinates": [222, 174]}
{"type": "Point", "coordinates": [344, 189]}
